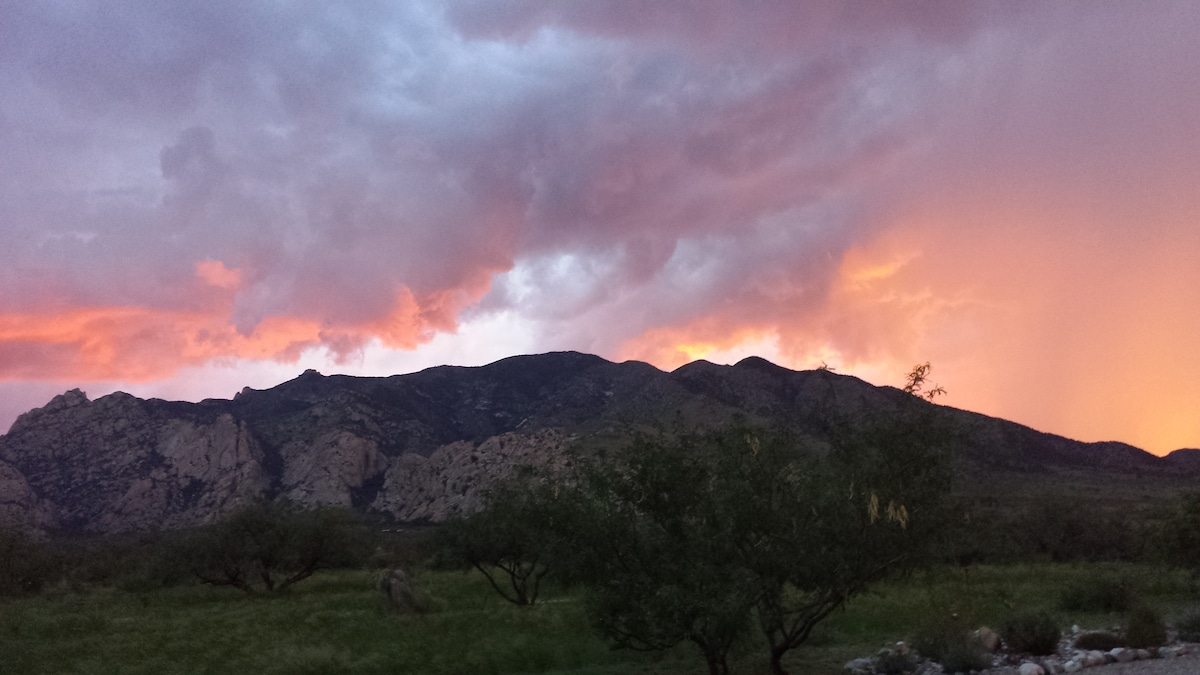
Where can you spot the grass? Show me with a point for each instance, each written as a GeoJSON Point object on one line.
{"type": "Point", "coordinates": [337, 623]}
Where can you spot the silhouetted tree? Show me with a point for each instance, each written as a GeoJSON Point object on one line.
{"type": "Point", "coordinates": [1180, 538]}
{"type": "Point", "coordinates": [272, 546]}
{"type": "Point", "coordinates": [514, 538]}
{"type": "Point", "coordinates": [690, 536]}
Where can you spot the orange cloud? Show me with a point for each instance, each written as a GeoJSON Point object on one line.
{"type": "Point", "coordinates": [137, 344]}
{"type": "Point", "coordinates": [215, 273]}
{"type": "Point", "coordinates": [1019, 321]}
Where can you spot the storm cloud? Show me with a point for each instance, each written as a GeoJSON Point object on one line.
{"type": "Point", "coordinates": [189, 185]}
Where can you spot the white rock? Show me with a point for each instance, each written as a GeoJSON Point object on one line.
{"type": "Point", "coordinates": [1031, 669]}
{"type": "Point", "coordinates": [860, 666]}
{"type": "Point", "coordinates": [1072, 666]}
{"type": "Point", "coordinates": [1123, 655]}
{"type": "Point", "coordinates": [1142, 655]}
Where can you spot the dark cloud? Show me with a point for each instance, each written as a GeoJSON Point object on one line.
{"type": "Point", "coordinates": [248, 180]}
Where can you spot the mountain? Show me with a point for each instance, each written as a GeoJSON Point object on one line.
{"type": "Point", "coordinates": [421, 446]}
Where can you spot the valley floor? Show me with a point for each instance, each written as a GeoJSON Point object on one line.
{"type": "Point", "coordinates": [337, 622]}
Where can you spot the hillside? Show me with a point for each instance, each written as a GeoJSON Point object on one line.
{"type": "Point", "coordinates": [420, 446]}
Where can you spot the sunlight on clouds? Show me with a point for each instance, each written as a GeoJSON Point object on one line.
{"type": "Point", "coordinates": [215, 273]}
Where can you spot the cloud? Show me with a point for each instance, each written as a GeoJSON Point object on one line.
{"type": "Point", "coordinates": [186, 185]}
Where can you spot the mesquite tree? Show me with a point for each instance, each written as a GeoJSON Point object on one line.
{"type": "Point", "coordinates": [272, 546]}
{"type": "Point", "coordinates": [702, 537]}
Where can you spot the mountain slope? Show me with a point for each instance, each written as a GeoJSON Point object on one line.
{"type": "Point", "coordinates": [421, 446]}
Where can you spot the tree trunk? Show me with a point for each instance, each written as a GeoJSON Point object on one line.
{"type": "Point", "coordinates": [777, 661]}
{"type": "Point", "coordinates": [717, 664]}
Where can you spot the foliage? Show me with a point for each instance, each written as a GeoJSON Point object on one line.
{"type": "Point", "coordinates": [1189, 627]}
{"type": "Point", "coordinates": [943, 635]}
{"type": "Point", "coordinates": [917, 385]}
{"type": "Point", "coordinates": [1100, 640]}
{"type": "Point", "coordinates": [1098, 593]}
{"type": "Point", "coordinates": [1034, 633]}
{"type": "Point", "coordinates": [336, 622]}
{"type": "Point", "coordinates": [689, 536]}
{"type": "Point", "coordinates": [271, 547]}
{"type": "Point", "coordinates": [965, 657]}
{"type": "Point", "coordinates": [892, 662]}
{"type": "Point", "coordinates": [26, 564]}
{"type": "Point", "coordinates": [1180, 538]}
{"type": "Point", "coordinates": [514, 538]}
{"type": "Point", "coordinates": [1145, 628]}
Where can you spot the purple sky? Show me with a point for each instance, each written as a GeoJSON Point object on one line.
{"type": "Point", "coordinates": [195, 197]}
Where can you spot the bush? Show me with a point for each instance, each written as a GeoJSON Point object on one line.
{"type": "Point", "coordinates": [947, 639]}
{"type": "Point", "coordinates": [1145, 628]}
{"type": "Point", "coordinates": [271, 547]}
{"type": "Point", "coordinates": [1098, 594]}
{"type": "Point", "coordinates": [1032, 633]}
{"type": "Point", "coordinates": [1100, 640]}
{"type": "Point", "coordinates": [1179, 542]}
{"type": "Point", "coordinates": [966, 657]}
{"type": "Point", "coordinates": [1189, 627]}
{"type": "Point", "coordinates": [892, 662]}
{"type": "Point", "coordinates": [26, 565]}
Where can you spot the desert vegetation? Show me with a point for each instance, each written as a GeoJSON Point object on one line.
{"type": "Point", "coordinates": [739, 550]}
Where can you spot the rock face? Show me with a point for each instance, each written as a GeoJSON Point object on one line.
{"type": "Point", "coordinates": [423, 446]}
{"type": "Point", "coordinates": [452, 479]}
{"type": "Point", "coordinates": [121, 463]}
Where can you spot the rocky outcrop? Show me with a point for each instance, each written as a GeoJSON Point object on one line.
{"type": "Point", "coordinates": [20, 506]}
{"type": "Point", "coordinates": [330, 468]}
{"type": "Point", "coordinates": [121, 463]}
{"type": "Point", "coordinates": [453, 479]}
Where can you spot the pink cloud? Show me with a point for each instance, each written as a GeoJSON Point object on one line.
{"type": "Point", "coordinates": [186, 183]}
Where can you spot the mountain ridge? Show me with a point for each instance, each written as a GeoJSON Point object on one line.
{"type": "Point", "coordinates": [422, 446]}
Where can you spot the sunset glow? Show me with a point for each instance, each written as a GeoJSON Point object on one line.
{"type": "Point", "coordinates": [1007, 191]}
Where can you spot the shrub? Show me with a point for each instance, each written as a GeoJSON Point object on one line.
{"type": "Point", "coordinates": [1179, 541]}
{"type": "Point", "coordinates": [946, 639]}
{"type": "Point", "coordinates": [1032, 633]}
{"type": "Point", "coordinates": [1100, 640]}
{"type": "Point", "coordinates": [1189, 627]}
{"type": "Point", "coordinates": [892, 662]}
{"type": "Point", "coordinates": [271, 547]}
{"type": "Point", "coordinates": [1098, 594]}
{"type": "Point", "coordinates": [1145, 628]}
{"type": "Point", "coordinates": [26, 564]}
{"type": "Point", "coordinates": [966, 657]}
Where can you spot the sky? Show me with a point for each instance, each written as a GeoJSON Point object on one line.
{"type": "Point", "coordinates": [198, 197]}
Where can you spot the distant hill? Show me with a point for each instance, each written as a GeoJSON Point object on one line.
{"type": "Point", "coordinates": [421, 446]}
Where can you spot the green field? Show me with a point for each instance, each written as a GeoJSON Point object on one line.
{"type": "Point", "coordinates": [337, 623]}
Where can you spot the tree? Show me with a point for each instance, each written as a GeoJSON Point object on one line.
{"type": "Point", "coordinates": [657, 552]}
{"type": "Point", "coordinates": [512, 540]}
{"type": "Point", "coordinates": [689, 536]}
{"type": "Point", "coordinates": [1180, 539]}
{"type": "Point", "coordinates": [272, 546]}
{"type": "Point", "coordinates": [916, 381]}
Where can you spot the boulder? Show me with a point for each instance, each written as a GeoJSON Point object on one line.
{"type": "Point", "coordinates": [1123, 655]}
{"type": "Point", "coordinates": [402, 594]}
{"type": "Point", "coordinates": [989, 638]}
